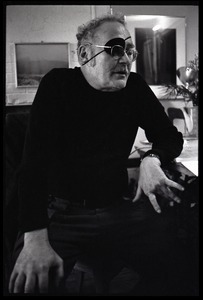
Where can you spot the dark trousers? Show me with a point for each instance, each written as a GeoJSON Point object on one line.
{"type": "Point", "coordinates": [129, 234]}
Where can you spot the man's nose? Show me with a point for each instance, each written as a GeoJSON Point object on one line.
{"type": "Point", "coordinates": [124, 59]}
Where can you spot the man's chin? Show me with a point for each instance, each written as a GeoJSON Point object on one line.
{"type": "Point", "coordinates": [121, 83]}
{"type": "Point", "coordinates": [121, 79]}
{"type": "Point", "coordinates": [116, 84]}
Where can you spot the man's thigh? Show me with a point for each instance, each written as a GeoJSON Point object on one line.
{"type": "Point", "coordinates": [136, 233]}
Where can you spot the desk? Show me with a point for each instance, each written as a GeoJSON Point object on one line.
{"type": "Point", "coordinates": [188, 157]}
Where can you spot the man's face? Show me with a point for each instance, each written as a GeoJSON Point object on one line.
{"type": "Point", "coordinates": [105, 72]}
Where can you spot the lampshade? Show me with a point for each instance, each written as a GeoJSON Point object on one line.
{"type": "Point", "coordinates": [186, 75]}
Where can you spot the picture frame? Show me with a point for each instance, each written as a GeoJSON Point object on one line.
{"type": "Point", "coordinates": [157, 59]}
{"type": "Point", "coordinates": [163, 22]}
{"type": "Point", "coordinates": [34, 60]}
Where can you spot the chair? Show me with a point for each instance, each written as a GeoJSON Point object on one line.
{"type": "Point", "coordinates": [176, 114]}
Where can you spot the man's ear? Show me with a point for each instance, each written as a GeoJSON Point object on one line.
{"type": "Point", "coordinates": [82, 54]}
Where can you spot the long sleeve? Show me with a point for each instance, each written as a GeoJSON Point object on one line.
{"type": "Point", "coordinates": [42, 134]}
{"type": "Point", "coordinates": [166, 140]}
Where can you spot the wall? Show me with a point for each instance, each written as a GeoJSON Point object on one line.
{"type": "Point", "coordinates": [37, 23]}
{"type": "Point", "coordinates": [190, 13]}
{"type": "Point", "coordinates": [58, 23]}
{"type": "Point", "coordinates": [192, 42]}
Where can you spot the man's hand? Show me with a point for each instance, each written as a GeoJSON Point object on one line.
{"type": "Point", "coordinates": [153, 181]}
{"type": "Point", "coordinates": [34, 263]}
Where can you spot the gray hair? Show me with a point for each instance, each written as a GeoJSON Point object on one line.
{"type": "Point", "coordinates": [86, 31]}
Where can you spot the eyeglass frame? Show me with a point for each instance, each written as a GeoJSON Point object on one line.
{"type": "Point", "coordinates": [124, 51]}
{"type": "Point", "coordinates": [111, 47]}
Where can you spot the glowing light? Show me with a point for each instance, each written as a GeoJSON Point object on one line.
{"type": "Point", "coordinates": [157, 27]}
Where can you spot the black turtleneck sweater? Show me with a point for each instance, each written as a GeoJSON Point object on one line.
{"type": "Point", "coordinates": [79, 139]}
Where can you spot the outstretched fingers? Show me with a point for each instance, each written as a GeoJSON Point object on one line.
{"type": "Point", "coordinates": [171, 183]}
{"type": "Point", "coordinates": [152, 199]}
{"type": "Point", "coordinates": [17, 282]}
{"type": "Point", "coordinates": [138, 194]}
{"type": "Point", "coordinates": [59, 275]}
{"type": "Point", "coordinates": [43, 282]}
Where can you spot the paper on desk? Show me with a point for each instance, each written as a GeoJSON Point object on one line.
{"type": "Point", "coordinates": [190, 165]}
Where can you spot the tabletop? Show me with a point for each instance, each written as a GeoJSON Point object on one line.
{"type": "Point", "coordinates": [188, 156]}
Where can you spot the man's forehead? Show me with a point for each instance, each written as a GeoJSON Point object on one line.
{"type": "Point", "coordinates": [110, 30]}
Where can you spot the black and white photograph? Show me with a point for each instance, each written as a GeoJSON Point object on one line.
{"type": "Point", "coordinates": [101, 149]}
{"type": "Point", "coordinates": [33, 61]}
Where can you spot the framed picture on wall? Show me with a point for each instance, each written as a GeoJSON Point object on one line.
{"type": "Point", "coordinates": [34, 60]}
{"type": "Point", "coordinates": [157, 60]}
{"type": "Point", "coordinates": [161, 44]}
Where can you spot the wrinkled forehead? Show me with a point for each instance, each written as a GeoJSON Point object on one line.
{"type": "Point", "coordinates": [109, 31]}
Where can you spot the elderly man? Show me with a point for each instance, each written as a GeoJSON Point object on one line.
{"type": "Point", "coordinates": [73, 176]}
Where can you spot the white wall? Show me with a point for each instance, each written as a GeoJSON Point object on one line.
{"type": "Point", "coordinates": [40, 23]}
{"type": "Point", "coordinates": [58, 23]}
{"type": "Point", "coordinates": [192, 42]}
{"type": "Point", "coordinates": [190, 12]}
